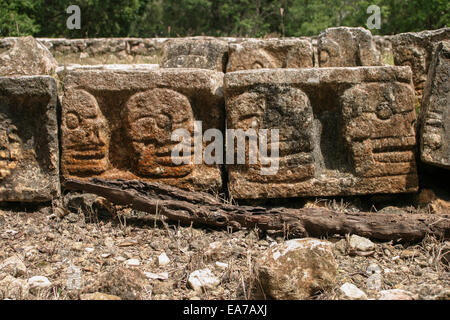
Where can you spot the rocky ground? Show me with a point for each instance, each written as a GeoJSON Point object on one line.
{"type": "Point", "coordinates": [77, 251]}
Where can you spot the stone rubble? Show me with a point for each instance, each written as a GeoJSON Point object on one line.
{"type": "Point", "coordinates": [297, 269]}
{"type": "Point", "coordinates": [396, 294]}
{"type": "Point", "coordinates": [163, 260]}
{"type": "Point", "coordinates": [27, 57]}
{"type": "Point", "coordinates": [352, 292]}
{"type": "Point", "coordinates": [435, 111]}
{"type": "Point", "coordinates": [39, 282]}
{"type": "Point", "coordinates": [361, 244]}
{"type": "Point", "coordinates": [14, 266]}
{"type": "Point", "coordinates": [203, 279]}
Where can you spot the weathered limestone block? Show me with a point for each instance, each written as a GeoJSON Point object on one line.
{"type": "Point", "coordinates": [27, 57]}
{"type": "Point", "coordinates": [415, 49]}
{"type": "Point", "coordinates": [105, 50]}
{"type": "Point", "coordinates": [347, 47]}
{"type": "Point", "coordinates": [201, 52]}
{"type": "Point", "coordinates": [29, 154]}
{"type": "Point", "coordinates": [342, 131]}
{"type": "Point", "coordinates": [435, 111]}
{"type": "Point", "coordinates": [118, 124]}
{"type": "Point", "coordinates": [7, 43]}
{"type": "Point", "coordinates": [297, 269]}
{"type": "Point", "coordinates": [269, 54]}
{"type": "Point", "coordinates": [384, 46]}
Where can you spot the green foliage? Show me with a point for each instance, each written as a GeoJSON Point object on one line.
{"type": "Point", "coordinates": [252, 18]}
{"type": "Point", "coordinates": [16, 18]}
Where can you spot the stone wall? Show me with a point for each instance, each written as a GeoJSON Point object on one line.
{"type": "Point", "coordinates": [346, 116]}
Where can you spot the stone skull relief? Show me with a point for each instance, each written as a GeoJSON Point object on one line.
{"type": "Point", "coordinates": [120, 125]}
{"type": "Point", "coordinates": [86, 142]}
{"type": "Point", "coordinates": [379, 128]}
{"type": "Point", "coordinates": [284, 108]}
{"type": "Point", "coordinates": [151, 117]}
{"type": "Point", "coordinates": [352, 132]}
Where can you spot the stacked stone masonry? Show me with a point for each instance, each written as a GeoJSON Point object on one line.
{"type": "Point", "coordinates": [343, 131]}
{"type": "Point", "coordinates": [346, 114]}
{"type": "Point", "coordinates": [435, 111]}
{"type": "Point", "coordinates": [29, 155]}
{"type": "Point", "coordinates": [118, 124]}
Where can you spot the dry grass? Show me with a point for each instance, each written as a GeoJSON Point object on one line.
{"type": "Point", "coordinates": [51, 240]}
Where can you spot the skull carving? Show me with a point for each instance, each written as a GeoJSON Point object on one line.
{"type": "Point", "coordinates": [379, 128]}
{"type": "Point", "coordinates": [85, 135]}
{"type": "Point", "coordinates": [151, 117]}
{"type": "Point", "coordinates": [289, 110]}
{"type": "Point", "coordinates": [10, 147]}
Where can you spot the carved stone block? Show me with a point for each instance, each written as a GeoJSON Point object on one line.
{"type": "Point", "coordinates": [27, 57]}
{"type": "Point", "coordinates": [347, 47]}
{"type": "Point", "coordinates": [270, 54]}
{"type": "Point", "coordinates": [200, 52]}
{"type": "Point", "coordinates": [29, 156]}
{"type": "Point", "coordinates": [342, 131]}
{"type": "Point", "coordinates": [118, 124]}
{"type": "Point", "coordinates": [435, 111]}
{"type": "Point", "coordinates": [415, 49]}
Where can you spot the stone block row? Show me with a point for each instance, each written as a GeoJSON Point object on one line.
{"type": "Point", "coordinates": [342, 131]}
{"type": "Point", "coordinates": [349, 130]}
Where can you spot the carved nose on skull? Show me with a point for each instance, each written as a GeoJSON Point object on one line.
{"type": "Point", "coordinates": [94, 137]}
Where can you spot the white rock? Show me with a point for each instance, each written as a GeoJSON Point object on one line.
{"type": "Point", "coordinates": [10, 232]}
{"type": "Point", "coordinates": [133, 262]}
{"type": "Point", "coordinates": [13, 288]}
{"type": "Point", "coordinates": [361, 244]}
{"type": "Point", "coordinates": [39, 282]}
{"type": "Point", "coordinates": [297, 269]}
{"type": "Point", "coordinates": [31, 253]}
{"type": "Point", "coordinates": [163, 259]}
{"type": "Point", "coordinates": [374, 269]}
{"type": "Point", "coordinates": [221, 265]}
{"type": "Point", "coordinates": [374, 282]}
{"type": "Point", "coordinates": [353, 292]}
{"type": "Point", "coordinates": [157, 276]}
{"type": "Point", "coordinates": [74, 281]}
{"type": "Point", "coordinates": [89, 250]}
{"type": "Point", "coordinates": [120, 259]}
{"type": "Point", "coordinates": [396, 294]}
{"type": "Point", "coordinates": [109, 242]}
{"type": "Point", "coordinates": [13, 266]}
{"type": "Point", "coordinates": [203, 279]}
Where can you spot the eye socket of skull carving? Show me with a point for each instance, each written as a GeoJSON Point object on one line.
{"type": "Point", "coordinates": [384, 111]}
{"type": "Point", "coordinates": [72, 121]}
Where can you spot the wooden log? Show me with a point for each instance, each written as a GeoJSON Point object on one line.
{"type": "Point", "coordinates": [202, 208]}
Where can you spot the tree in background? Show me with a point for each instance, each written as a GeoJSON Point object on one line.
{"type": "Point", "coordinates": [99, 18]}
{"type": "Point", "coordinates": [415, 15]}
{"type": "Point", "coordinates": [16, 18]}
{"type": "Point", "coordinates": [244, 18]}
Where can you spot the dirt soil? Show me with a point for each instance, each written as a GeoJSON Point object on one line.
{"type": "Point", "coordinates": [118, 254]}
